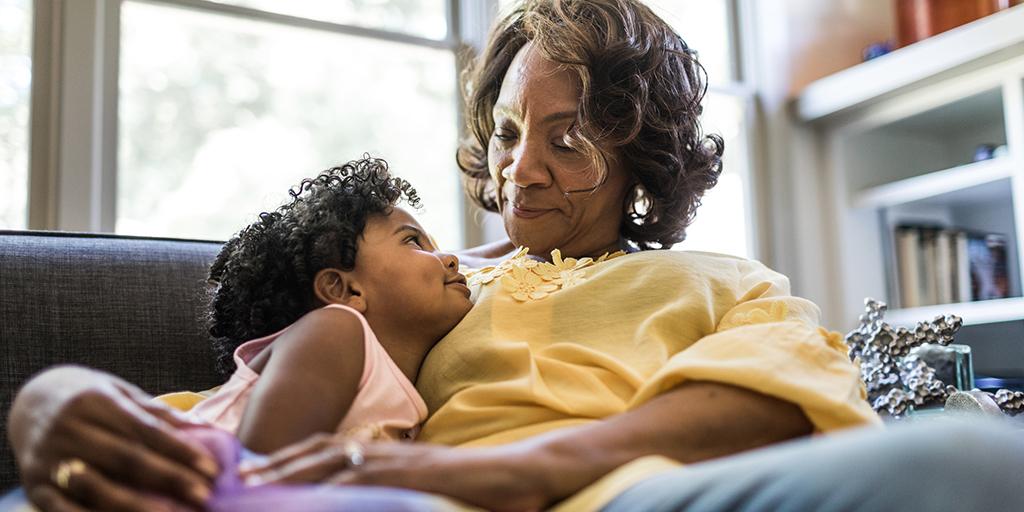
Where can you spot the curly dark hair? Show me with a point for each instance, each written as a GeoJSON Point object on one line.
{"type": "Point", "coordinates": [262, 279]}
{"type": "Point", "coordinates": [642, 89]}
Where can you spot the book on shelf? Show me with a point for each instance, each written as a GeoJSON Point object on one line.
{"type": "Point", "coordinates": [937, 265]}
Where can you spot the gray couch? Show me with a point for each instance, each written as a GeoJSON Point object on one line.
{"type": "Point", "coordinates": [130, 306]}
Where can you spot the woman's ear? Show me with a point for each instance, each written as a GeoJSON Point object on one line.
{"type": "Point", "coordinates": [333, 286]}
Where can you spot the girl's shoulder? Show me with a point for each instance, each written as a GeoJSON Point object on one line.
{"type": "Point", "coordinates": [322, 335]}
{"type": "Point", "coordinates": [331, 322]}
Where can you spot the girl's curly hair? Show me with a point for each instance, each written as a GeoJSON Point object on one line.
{"type": "Point", "coordinates": [262, 279]}
{"type": "Point", "coordinates": [642, 88]}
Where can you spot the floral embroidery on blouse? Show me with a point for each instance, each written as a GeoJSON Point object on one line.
{"type": "Point", "coordinates": [528, 279]}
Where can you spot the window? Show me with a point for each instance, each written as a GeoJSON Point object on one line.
{"type": "Point", "coordinates": [705, 25]}
{"type": "Point", "coordinates": [722, 223]}
{"type": "Point", "coordinates": [424, 18]}
{"type": "Point", "coordinates": [220, 115]}
{"type": "Point", "coordinates": [723, 220]}
{"type": "Point", "coordinates": [15, 79]}
{"type": "Point", "coordinates": [186, 118]}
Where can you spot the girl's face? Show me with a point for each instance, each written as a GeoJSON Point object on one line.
{"type": "Point", "coordinates": [407, 285]}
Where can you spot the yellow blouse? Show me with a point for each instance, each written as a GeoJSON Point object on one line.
{"type": "Point", "coordinates": [538, 353]}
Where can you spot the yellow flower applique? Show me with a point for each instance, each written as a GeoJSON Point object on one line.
{"type": "Point", "coordinates": [569, 278]}
{"type": "Point", "coordinates": [606, 256]}
{"type": "Point", "coordinates": [565, 273]}
{"type": "Point", "coordinates": [491, 272]}
{"type": "Point", "coordinates": [482, 276]}
{"type": "Point", "coordinates": [523, 284]}
{"type": "Point", "coordinates": [528, 278]}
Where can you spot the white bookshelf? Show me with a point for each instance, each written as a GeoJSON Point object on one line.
{"type": "Point", "coordinates": [974, 313]}
{"type": "Point", "coordinates": [897, 137]}
{"type": "Point", "coordinates": [969, 46]}
{"type": "Point", "coordinates": [968, 182]}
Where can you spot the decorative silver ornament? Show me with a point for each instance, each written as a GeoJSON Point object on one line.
{"type": "Point", "coordinates": [895, 379]}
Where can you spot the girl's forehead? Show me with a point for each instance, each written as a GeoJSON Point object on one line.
{"type": "Point", "coordinates": [400, 217]}
{"type": "Point", "coordinates": [390, 222]}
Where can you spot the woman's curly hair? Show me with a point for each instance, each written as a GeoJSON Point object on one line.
{"type": "Point", "coordinates": [642, 89]}
{"type": "Point", "coordinates": [262, 279]}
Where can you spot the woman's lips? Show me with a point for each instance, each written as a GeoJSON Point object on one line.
{"type": "Point", "coordinates": [528, 213]}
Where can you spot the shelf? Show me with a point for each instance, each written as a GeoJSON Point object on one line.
{"type": "Point", "coordinates": [869, 81]}
{"type": "Point", "coordinates": [965, 180]}
{"type": "Point", "coordinates": [973, 313]}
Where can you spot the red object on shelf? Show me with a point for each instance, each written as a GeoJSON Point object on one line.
{"type": "Point", "coordinates": [920, 19]}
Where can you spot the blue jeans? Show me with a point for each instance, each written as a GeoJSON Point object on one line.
{"type": "Point", "coordinates": [936, 466]}
{"type": "Point", "coordinates": [12, 501]}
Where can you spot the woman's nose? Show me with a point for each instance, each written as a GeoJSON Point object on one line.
{"type": "Point", "coordinates": [527, 167]}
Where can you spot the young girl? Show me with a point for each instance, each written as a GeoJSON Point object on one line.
{"type": "Point", "coordinates": [325, 309]}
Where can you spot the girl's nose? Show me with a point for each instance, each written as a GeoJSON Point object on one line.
{"type": "Point", "coordinates": [450, 260]}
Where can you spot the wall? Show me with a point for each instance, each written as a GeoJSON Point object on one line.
{"type": "Point", "coordinates": [789, 44]}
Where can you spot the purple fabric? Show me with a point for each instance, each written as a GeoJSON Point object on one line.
{"type": "Point", "coordinates": [232, 495]}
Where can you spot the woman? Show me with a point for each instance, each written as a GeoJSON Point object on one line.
{"type": "Point", "coordinates": [575, 377]}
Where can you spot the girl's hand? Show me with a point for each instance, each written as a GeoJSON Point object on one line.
{"type": "Point", "coordinates": [496, 478]}
{"type": "Point", "coordinates": [86, 439]}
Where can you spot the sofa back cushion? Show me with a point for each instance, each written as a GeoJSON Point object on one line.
{"type": "Point", "coordinates": [130, 306]}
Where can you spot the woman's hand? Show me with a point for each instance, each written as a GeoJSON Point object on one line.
{"type": "Point", "coordinates": [494, 478]}
{"type": "Point", "coordinates": [86, 439]}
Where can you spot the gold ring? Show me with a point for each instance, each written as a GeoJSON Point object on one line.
{"type": "Point", "coordinates": [65, 470]}
{"type": "Point", "coordinates": [354, 456]}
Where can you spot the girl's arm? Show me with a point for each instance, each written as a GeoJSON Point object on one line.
{"type": "Point", "coordinates": [309, 382]}
{"type": "Point", "coordinates": [694, 422]}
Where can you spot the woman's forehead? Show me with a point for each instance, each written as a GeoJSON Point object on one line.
{"type": "Point", "coordinates": [535, 82]}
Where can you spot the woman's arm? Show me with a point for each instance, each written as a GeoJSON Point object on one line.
{"type": "Point", "coordinates": [309, 382]}
{"type": "Point", "coordinates": [486, 254]}
{"type": "Point", "coordinates": [129, 444]}
{"type": "Point", "coordinates": [693, 422]}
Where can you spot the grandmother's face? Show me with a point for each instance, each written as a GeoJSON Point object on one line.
{"type": "Point", "coordinates": [550, 195]}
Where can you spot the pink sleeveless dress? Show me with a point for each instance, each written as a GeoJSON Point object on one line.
{"type": "Point", "coordinates": [386, 406]}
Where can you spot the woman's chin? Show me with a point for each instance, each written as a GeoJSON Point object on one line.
{"type": "Point", "coordinates": [538, 246]}
{"type": "Point", "coordinates": [525, 234]}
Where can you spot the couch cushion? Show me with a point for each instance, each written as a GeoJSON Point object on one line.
{"type": "Point", "coordinates": [130, 306]}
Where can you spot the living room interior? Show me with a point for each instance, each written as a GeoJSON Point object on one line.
{"type": "Point", "coordinates": [874, 150]}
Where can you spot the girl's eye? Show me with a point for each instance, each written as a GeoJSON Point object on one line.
{"type": "Point", "coordinates": [415, 240]}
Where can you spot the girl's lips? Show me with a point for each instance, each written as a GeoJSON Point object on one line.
{"type": "Point", "coordinates": [461, 286]}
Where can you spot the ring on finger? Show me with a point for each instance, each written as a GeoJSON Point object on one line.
{"type": "Point", "coordinates": [66, 469]}
{"type": "Point", "coordinates": [354, 454]}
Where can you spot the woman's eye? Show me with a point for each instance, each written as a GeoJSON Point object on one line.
{"type": "Point", "coordinates": [504, 135]}
{"type": "Point", "coordinates": [562, 145]}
